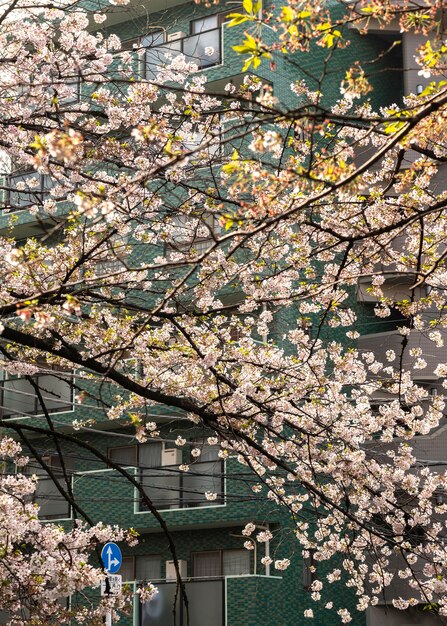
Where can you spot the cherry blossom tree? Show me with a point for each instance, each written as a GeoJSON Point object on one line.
{"type": "Point", "coordinates": [42, 565]}
{"type": "Point", "coordinates": [218, 241]}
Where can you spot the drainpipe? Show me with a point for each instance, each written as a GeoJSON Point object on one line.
{"type": "Point", "coordinates": [264, 336]}
{"type": "Point", "coordinates": [267, 553]}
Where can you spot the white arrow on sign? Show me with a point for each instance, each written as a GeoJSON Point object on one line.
{"type": "Point", "coordinates": [111, 560]}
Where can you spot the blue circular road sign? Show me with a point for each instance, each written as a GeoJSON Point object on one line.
{"type": "Point", "coordinates": [111, 557]}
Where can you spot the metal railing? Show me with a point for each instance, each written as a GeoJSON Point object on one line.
{"type": "Point", "coordinates": [206, 600]}
{"type": "Point", "coordinates": [18, 195]}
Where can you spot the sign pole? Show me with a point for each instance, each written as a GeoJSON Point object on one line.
{"type": "Point", "coordinates": [111, 558]}
{"type": "Point", "coordinates": [108, 620]}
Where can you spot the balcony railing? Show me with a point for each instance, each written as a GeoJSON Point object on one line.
{"type": "Point", "coordinates": [215, 602]}
{"type": "Point", "coordinates": [203, 49]}
{"type": "Point", "coordinates": [19, 397]}
{"type": "Point", "coordinates": [380, 343]}
{"type": "Point", "coordinates": [20, 190]}
{"type": "Point", "coordinates": [206, 605]}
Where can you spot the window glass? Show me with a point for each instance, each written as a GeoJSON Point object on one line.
{"type": "Point", "coordinates": [113, 252]}
{"type": "Point", "coordinates": [203, 49]}
{"type": "Point", "coordinates": [148, 567]}
{"type": "Point", "coordinates": [18, 395]}
{"type": "Point", "coordinates": [152, 39]}
{"type": "Point", "coordinates": [208, 453]}
{"type": "Point", "coordinates": [236, 562]}
{"type": "Point", "coordinates": [149, 454]}
{"type": "Point", "coordinates": [52, 503]}
{"type": "Point", "coordinates": [56, 392]}
{"type": "Point", "coordinates": [159, 56]}
{"type": "Point", "coordinates": [127, 569]}
{"type": "Point", "coordinates": [308, 570]}
{"type": "Point", "coordinates": [204, 475]}
{"type": "Point", "coordinates": [207, 564]}
{"type": "Point", "coordinates": [162, 485]}
{"type": "Point", "coordinates": [206, 23]}
{"type": "Point", "coordinates": [193, 234]}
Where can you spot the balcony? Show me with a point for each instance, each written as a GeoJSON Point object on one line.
{"type": "Point", "coordinates": [231, 600]}
{"type": "Point", "coordinates": [384, 614]}
{"type": "Point", "coordinates": [179, 496]}
{"type": "Point", "coordinates": [204, 49]}
{"type": "Point", "coordinates": [389, 616]}
{"type": "Point", "coordinates": [206, 605]}
{"type": "Point", "coordinates": [380, 343]}
{"type": "Point", "coordinates": [23, 189]}
{"type": "Point", "coordinates": [18, 396]}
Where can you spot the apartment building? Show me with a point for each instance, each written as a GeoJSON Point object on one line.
{"type": "Point", "coordinates": [206, 507]}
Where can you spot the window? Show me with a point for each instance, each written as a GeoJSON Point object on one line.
{"type": "Point", "coordinates": [163, 482]}
{"type": "Point", "coordinates": [70, 92]}
{"type": "Point", "coordinates": [205, 475]}
{"type": "Point", "coordinates": [148, 568]}
{"type": "Point", "coordinates": [205, 147]}
{"type": "Point", "coordinates": [144, 455]}
{"type": "Point", "coordinates": [51, 502]}
{"type": "Point", "coordinates": [192, 234]}
{"type": "Point", "coordinates": [207, 564]}
{"type": "Point", "coordinates": [110, 259]}
{"type": "Point", "coordinates": [205, 23]}
{"type": "Point", "coordinates": [309, 569]}
{"type": "Point", "coordinates": [158, 53]}
{"type": "Point", "coordinates": [18, 395]}
{"type": "Point", "coordinates": [24, 188]}
{"type": "Point", "coordinates": [219, 563]}
{"type": "Point", "coordinates": [236, 562]}
{"type": "Point", "coordinates": [127, 569]}
{"type": "Point", "coordinates": [161, 485]}
{"type": "Point", "coordinates": [141, 568]}
{"type": "Point", "coordinates": [203, 47]}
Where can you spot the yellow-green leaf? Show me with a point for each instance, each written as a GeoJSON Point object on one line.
{"type": "Point", "coordinates": [247, 64]}
{"type": "Point", "coordinates": [287, 14]}
{"type": "Point", "coordinates": [248, 5]}
{"type": "Point", "coordinates": [238, 18]}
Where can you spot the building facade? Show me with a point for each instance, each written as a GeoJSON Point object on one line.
{"type": "Point", "coordinates": [207, 507]}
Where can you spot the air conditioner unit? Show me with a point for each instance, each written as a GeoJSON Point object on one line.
{"type": "Point", "coordinates": [171, 574]}
{"type": "Point", "coordinates": [171, 456]}
{"type": "Point", "coordinates": [174, 36]}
